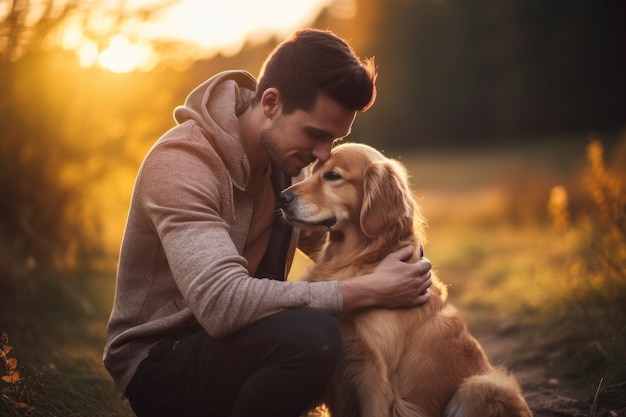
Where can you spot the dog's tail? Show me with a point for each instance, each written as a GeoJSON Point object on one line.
{"type": "Point", "coordinates": [495, 393]}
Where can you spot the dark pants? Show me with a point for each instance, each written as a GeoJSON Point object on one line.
{"type": "Point", "coordinates": [279, 366]}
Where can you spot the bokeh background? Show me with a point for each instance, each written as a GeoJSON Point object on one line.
{"type": "Point", "coordinates": [509, 115]}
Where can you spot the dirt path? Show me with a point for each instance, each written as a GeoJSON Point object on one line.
{"type": "Point", "coordinates": [549, 393]}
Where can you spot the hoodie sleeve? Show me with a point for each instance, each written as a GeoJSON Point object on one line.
{"type": "Point", "coordinates": [184, 187]}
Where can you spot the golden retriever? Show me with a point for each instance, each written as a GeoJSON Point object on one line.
{"type": "Point", "coordinates": [419, 361]}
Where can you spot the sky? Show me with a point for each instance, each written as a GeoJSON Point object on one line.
{"type": "Point", "coordinates": [210, 26]}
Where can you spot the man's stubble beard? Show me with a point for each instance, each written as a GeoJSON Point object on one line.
{"type": "Point", "coordinates": [270, 144]}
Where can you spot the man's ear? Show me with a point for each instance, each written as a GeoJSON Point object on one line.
{"type": "Point", "coordinates": [271, 101]}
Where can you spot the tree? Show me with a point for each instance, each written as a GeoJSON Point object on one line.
{"type": "Point", "coordinates": [42, 136]}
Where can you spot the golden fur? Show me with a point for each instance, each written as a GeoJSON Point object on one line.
{"type": "Point", "coordinates": [419, 361]}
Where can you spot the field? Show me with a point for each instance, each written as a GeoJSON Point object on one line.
{"type": "Point", "coordinates": [530, 242]}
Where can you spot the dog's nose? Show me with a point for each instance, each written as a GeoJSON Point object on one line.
{"type": "Point", "coordinates": [286, 197]}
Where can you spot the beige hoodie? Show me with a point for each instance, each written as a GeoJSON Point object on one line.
{"type": "Point", "coordinates": [181, 260]}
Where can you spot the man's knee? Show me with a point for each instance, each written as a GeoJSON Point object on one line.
{"type": "Point", "coordinates": [318, 338]}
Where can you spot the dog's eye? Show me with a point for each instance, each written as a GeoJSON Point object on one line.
{"type": "Point", "coordinates": [332, 175]}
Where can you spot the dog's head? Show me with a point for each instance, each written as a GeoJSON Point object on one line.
{"type": "Point", "coordinates": [357, 190]}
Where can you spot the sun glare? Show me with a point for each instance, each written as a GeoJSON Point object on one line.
{"type": "Point", "coordinates": [209, 26]}
{"type": "Point", "coordinates": [122, 56]}
{"type": "Point", "coordinates": [224, 26]}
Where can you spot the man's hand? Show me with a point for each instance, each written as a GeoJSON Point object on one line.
{"type": "Point", "coordinates": [393, 283]}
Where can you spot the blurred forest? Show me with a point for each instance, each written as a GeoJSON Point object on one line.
{"type": "Point", "coordinates": [455, 76]}
{"type": "Point", "coordinates": [467, 73]}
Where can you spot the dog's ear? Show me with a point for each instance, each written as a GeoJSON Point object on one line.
{"type": "Point", "coordinates": [388, 205]}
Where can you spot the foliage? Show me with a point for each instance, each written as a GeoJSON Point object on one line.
{"type": "Point", "coordinates": [594, 309]}
{"type": "Point", "coordinates": [58, 330]}
{"type": "Point", "coordinates": [21, 390]}
{"type": "Point", "coordinates": [51, 143]}
{"type": "Point", "coordinates": [29, 26]}
{"type": "Point", "coordinates": [567, 282]}
{"type": "Point", "coordinates": [68, 384]}
{"type": "Point", "coordinates": [607, 226]}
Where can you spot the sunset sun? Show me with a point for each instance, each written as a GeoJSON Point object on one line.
{"type": "Point", "coordinates": [122, 56]}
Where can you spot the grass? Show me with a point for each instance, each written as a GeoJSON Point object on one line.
{"type": "Point", "coordinates": [510, 247]}
{"type": "Point", "coordinates": [57, 331]}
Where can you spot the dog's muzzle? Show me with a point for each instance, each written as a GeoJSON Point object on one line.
{"type": "Point", "coordinates": [286, 202]}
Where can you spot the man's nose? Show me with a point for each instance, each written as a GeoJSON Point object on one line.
{"type": "Point", "coordinates": [322, 152]}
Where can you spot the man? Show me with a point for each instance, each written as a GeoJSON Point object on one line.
{"type": "Point", "coordinates": [204, 323]}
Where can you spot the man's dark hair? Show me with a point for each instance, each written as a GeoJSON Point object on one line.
{"type": "Point", "coordinates": [314, 61]}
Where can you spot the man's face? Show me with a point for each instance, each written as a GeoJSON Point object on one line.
{"type": "Point", "coordinates": [295, 140]}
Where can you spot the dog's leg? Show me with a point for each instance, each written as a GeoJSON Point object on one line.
{"type": "Point", "coordinates": [374, 390]}
{"type": "Point", "coordinates": [378, 396]}
{"type": "Point", "coordinates": [340, 397]}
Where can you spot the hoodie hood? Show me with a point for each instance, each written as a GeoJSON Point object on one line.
{"type": "Point", "coordinates": [215, 106]}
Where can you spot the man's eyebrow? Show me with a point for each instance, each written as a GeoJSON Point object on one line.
{"type": "Point", "coordinates": [329, 135]}
{"type": "Point", "coordinates": [319, 132]}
